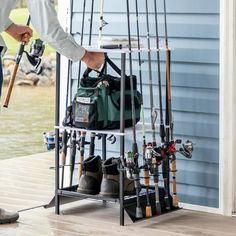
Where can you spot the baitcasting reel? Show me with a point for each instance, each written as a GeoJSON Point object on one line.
{"type": "Point", "coordinates": [34, 56]}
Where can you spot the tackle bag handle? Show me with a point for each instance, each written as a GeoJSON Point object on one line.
{"type": "Point", "coordinates": [106, 61]}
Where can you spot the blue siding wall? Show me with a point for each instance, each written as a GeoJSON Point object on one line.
{"type": "Point", "coordinates": [193, 28]}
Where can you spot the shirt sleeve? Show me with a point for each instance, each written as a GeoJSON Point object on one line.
{"type": "Point", "coordinates": [44, 19]}
{"type": "Point", "coordinates": [7, 24]}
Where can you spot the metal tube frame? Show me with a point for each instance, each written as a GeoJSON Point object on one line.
{"type": "Point", "coordinates": [57, 121]}
{"type": "Point", "coordinates": [122, 138]}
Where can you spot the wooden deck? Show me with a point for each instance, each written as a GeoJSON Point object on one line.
{"type": "Point", "coordinates": [28, 183]}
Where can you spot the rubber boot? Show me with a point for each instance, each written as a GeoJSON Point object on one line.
{"type": "Point", "coordinates": [90, 180]}
{"type": "Point", "coordinates": [110, 181]}
{"type": "Point", "coordinates": [8, 217]}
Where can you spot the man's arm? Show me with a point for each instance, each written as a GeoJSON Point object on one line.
{"type": "Point", "coordinates": [44, 19]}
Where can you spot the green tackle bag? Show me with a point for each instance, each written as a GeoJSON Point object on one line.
{"type": "Point", "coordinates": [96, 104]}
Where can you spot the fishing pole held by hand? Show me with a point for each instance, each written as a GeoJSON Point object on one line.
{"type": "Point", "coordinates": [13, 77]}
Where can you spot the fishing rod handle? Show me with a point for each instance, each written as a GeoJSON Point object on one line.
{"type": "Point", "coordinates": [22, 46]}
{"type": "Point", "coordinates": [10, 86]}
{"type": "Point", "coordinates": [13, 77]}
{"type": "Point", "coordinates": [82, 142]}
{"type": "Point", "coordinates": [146, 177]}
{"type": "Point", "coordinates": [64, 147]}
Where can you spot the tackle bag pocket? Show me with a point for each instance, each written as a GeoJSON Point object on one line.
{"type": "Point", "coordinates": [85, 107]}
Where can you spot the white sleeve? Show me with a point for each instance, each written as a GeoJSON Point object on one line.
{"type": "Point", "coordinates": [5, 10]}
{"type": "Point", "coordinates": [7, 24]}
{"type": "Point", "coordinates": [44, 19]}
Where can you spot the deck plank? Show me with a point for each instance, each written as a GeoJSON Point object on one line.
{"type": "Point", "coordinates": [27, 181]}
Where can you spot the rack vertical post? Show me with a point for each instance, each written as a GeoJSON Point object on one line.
{"type": "Point", "coordinates": [122, 138]}
{"type": "Point", "coordinates": [57, 121]}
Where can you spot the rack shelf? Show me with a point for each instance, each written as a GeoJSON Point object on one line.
{"type": "Point", "coordinates": [96, 48]}
{"type": "Point", "coordinates": [128, 131]}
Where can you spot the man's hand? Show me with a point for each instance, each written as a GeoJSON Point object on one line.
{"type": "Point", "coordinates": [93, 60]}
{"type": "Point", "coordinates": [20, 33]}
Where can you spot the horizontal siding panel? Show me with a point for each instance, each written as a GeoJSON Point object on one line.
{"type": "Point", "coordinates": [197, 129]}
{"type": "Point", "coordinates": [187, 99]}
{"type": "Point", "coordinates": [198, 195]}
{"type": "Point", "coordinates": [196, 55]}
{"type": "Point", "coordinates": [198, 174]}
{"type": "Point", "coordinates": [173, 6]}
{"type": "Point", "coordinates": [186, 55]}
{"type": "Point", "coordinates": [183, 29]}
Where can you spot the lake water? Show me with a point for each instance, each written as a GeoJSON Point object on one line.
{"type": "Point", "coordinates": [30, 113]}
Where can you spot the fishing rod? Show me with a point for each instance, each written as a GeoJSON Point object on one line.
{"type": "Point", "coordinates": [153, 111]}
{"type": "Point", "coordinates": [92, 144]}
{"type": "Point", "coordinates": [93, 135]}
{"type": "Point", "coordinates": [34, 57]}
{"type": "Point", "coordinates": [13, 77]}
{"type": "Point", "coordinates": [162, 126]}
{"type": "Point", "coordinates": [146, 169]}
{"type": "Point", "coordinates": [91, 23]}
{"type": "Point", "coordinates": [63, 154]}
{"type": "Point", "coordinates": [81, 39]}
{"type": "Point", "coordinates": [72, 155]}
{"type": "Point", "coordinates": [153, 165]}
{"type": "Point", "coordinates": [140, 77]}
{"type": "Point", "coordinates": [102, 22]}
{"type": "Point", "coordinates": [169, 122]}
{"type": "Point", "coordinates": [139, 213]}
{"type": "Point", "coordinates": [83, 134]}
{"type": "Point", "coordinates": [82, 147]}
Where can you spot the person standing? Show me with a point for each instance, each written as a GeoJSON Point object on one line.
{"type": "Point", "coordinates": [44, 19]}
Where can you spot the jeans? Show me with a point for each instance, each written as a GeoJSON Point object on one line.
{"type": "Point", "coordinates": [1, 76]}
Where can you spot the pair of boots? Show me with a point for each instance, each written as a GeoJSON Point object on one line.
{"type": "Point", "coordinates": [103, 179]}
{"type": "Point", "coordinates": [8, 217]}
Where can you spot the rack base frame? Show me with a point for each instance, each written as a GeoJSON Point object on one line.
{"type": "Point", "coordinates": [70, 194]}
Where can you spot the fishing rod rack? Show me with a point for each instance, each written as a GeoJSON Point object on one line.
{"type": "Point", "coordinates": [126, 203]}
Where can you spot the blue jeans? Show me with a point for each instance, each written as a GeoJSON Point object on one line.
{"type": "Point", "coordinates": [1, 76]}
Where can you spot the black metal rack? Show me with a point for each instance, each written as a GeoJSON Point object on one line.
{"type": "Point", "coordinates": [126, 203]}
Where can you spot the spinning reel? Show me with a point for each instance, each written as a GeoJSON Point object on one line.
{"type": "Point", "coordinates": [187, 149]}
{"type": "Point", "coordinates": [34, 56]}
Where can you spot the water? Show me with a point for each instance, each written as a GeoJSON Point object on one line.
{"type": "Point", "coordinates": [30, 113]}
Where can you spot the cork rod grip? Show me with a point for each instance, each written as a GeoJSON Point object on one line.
{"type": "Point", "coordinates": [10, 86]}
